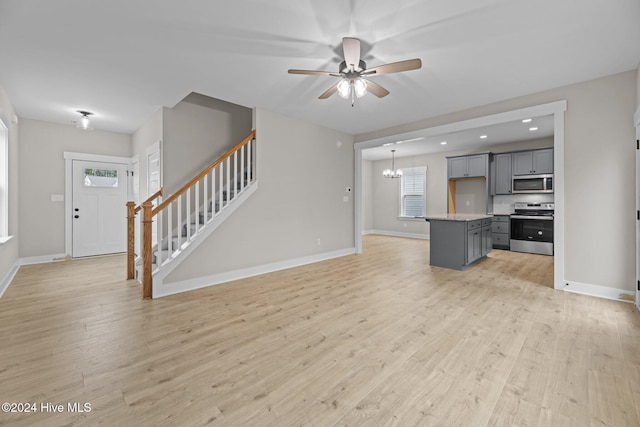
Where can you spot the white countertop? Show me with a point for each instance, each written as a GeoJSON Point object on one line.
{"type": "Point", "coordinates": [458, 217]}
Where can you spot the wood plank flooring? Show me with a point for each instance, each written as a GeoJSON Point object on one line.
{"type": "Point", "coordinates": [375, 339]}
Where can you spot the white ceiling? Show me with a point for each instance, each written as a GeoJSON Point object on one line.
{"type": "Point", "coordinates": [124, 59]}
{"type": "Point", "coordinates": [421, 142]}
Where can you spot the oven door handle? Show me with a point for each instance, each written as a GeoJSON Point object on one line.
{"type": "Point", "coordinates": [541, 217]}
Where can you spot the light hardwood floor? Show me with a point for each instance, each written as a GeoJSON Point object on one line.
{"type": "Point", "coordinates": [375, 339]}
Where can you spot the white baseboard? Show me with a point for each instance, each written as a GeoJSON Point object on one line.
{"type": "Point", "coordinates": [398, 234]}
{"type": "Point", "coordinates": [9, 277]}
{"type": "Point", "coordinates": [166, 289]}
{"type": "Point", "coordinates": [599, 291]}
{"type": "Point", "coordinates": [42, 259]}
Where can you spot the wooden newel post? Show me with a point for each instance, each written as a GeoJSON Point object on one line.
{"type": "Point", "coordinates": [147, 221]}
{"type": "Point", "coordinates": [131, 230]}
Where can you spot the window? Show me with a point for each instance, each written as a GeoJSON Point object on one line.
{"type": "Point", "coordinates": [412, 192]}
{"type": "Point", "coordinates": [100, 178]}
{"type": "Point", "coordinates": [4, 181]}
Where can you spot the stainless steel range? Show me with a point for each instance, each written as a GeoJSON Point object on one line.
{"type": "Point", "coordinates": [532, 228]}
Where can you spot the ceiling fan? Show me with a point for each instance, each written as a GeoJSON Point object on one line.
{"type": "Point", "coordinates": [353, 70]}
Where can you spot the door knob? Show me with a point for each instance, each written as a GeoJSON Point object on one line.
{"type": "Point", "coordinates": [76, 216]}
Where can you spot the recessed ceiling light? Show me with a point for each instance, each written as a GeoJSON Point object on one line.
{"type": "Point", "coordinates": [533, 128]}
{"type": "Point", "coordinates": [443, 143]}
{"type": "Point", "coordinates": [483, 136]}
{"type": "Point", "coordinates": [526, 120]}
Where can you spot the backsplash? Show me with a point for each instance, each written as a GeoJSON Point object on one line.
{"type": "Point", "coordinates": [503, 205]}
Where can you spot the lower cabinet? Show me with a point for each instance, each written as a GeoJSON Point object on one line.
{"type": "Point", "coordinates": [500, 229]}
{"type": "Point", "coordinates": [458, 243]}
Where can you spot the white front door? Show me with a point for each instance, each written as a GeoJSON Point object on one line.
{"type": "Point", "coordinates": [99, 223]}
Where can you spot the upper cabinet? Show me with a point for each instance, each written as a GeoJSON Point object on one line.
{"type": "Point", "coordinates": [468, 166]}
{"type": "Point", "coordinates": [502, 179]}
{"type": "Point", "coordinates": [533, 162]}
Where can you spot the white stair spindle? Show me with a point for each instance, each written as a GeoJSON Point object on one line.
{"type": "Point", "coordinates": [249, 162]}
{"type": "Point", "coordinates": [205, 195]}
{"type": "Point", "coordinates": [197, 206]}
{"type": "Point", "coordinates": [213, 193]}
{"type": "Point", "coordinates": [169, 232]}
{"type": "Point", "coordinates": [159, 239]}
{"type": "Point", "coordinates": [228, 184]}
{"type": "Point", "coordinates": [188, 225]}
{"type": "Point", "coordinates": [221, 186]}
{"type": "Point", "coordinates": [179, 222]}
{"type": "Point", "coordinates": [235, 173]}
{"type": "Point", "coordinates": [242, 166]}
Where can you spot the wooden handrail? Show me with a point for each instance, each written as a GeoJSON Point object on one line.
{"type": "Point", "coordinates": [204, 172]}
{"type": "Point", "coordinates": [150, 199]}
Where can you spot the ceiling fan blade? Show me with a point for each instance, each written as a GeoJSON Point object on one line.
{"type": "Point", "coordinates": [312, 72]}
{"type": "Point", "coordinates": [395, 67]}
{"type": "Point", "coordinates": [327, 93]}
{"type": "Point", "coordinates": [376, 89]}
{"type": "Point", "coordinates": [351, 48]}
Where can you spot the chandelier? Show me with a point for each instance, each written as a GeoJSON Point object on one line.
{"type": "Point", "coordinates": [392, 173]}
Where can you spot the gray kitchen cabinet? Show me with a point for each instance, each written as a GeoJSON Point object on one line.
{"type": "Point", "coordinates": [474, 242]}
{"type": "Point", "coordinates": [500, 231]}
{"type": "Point", "coordinates": [467, 166]}
{"type": "Point", "coordinates": [459, 240]}
{"type": "Point", "coordinates": [503, 175]}
{"type": "Point", "coordinates": [533, 162]}
{"type": "Point", "coordinates": [486, 237]}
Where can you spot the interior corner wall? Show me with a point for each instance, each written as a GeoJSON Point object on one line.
{"type": "Point", "coordinates": [197, 131]}
{"type": "Point", "coordinates": [367, 196]}
{"type": "Point", "coordinates": [298, 209]}
{"type": "Point", "coordinates": [599, 162]}
{"type": "Point", "coordinates": [42, 173]}
{"type": "Point", "coordinates": [9, 251]}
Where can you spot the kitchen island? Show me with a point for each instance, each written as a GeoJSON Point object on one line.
{"type": "Point", "coordinates": [458, 240]}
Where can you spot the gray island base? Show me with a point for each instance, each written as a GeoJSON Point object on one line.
{"type": "Point", "coordinates": [458, 240]}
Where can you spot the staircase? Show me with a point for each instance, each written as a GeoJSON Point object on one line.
{"type": "Point", "coordinates": [180, 223]}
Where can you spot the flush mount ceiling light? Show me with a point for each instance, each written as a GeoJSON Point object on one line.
{"type": "Point", "coordinates": [483, 136]}
{"type": "Point", "coordinates": [526, 120]}
{"type": "Point", "coordinates": [84, 122]}
{"type": "Point", "coordinates": [533, 129]}
{"type": "Point", "coordinates": [392, 173]}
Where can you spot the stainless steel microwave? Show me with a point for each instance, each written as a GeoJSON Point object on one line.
{"type": "Point", "coordinates": [532, 183]}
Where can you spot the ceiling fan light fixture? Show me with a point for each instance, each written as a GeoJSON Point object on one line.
{"type": "Point", "coordinates": [344, 88]}
{"type": "Point", "coordinates": [360, 87]}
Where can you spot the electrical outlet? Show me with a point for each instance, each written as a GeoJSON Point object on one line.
{"type": "Point", "coordinates": [345, 199]}
{"type": "Point", "coordinates": [318, 242]}
{"type": "Point", "coordinates": [57, 197]}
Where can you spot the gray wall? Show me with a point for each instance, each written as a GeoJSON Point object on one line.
{"type": "Point", "coordinates": [196, 132]}
{"type": "Point", "coordinates": [599, 173]}
{"type": "Point", "coordinates": [9, 252]}
{"type": "Point", "coordinates": [42, 173]}
{"type": "Point", "coordinates": [302, 177]}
